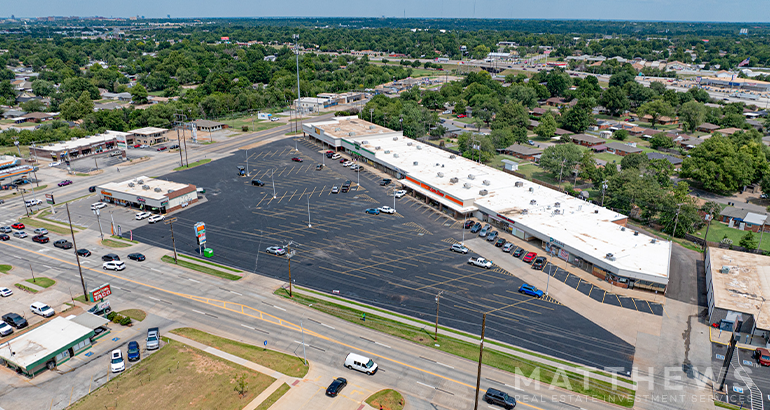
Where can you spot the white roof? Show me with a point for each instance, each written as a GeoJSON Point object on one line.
{"type": "Point", "coordinates": [755, 219]}
{"type": "Point", "coordinates": [313, 100]}
{"type": "Point", "coordinates": [39, 343]}
{"type": "Point", "coordinates": [148, 131]}
{"type": "Point", "coordinates": [744, 286]}
{"type": "Point", "coordinates": [82, 142]}
{"type": "Point", "coordinates": [137, 189]}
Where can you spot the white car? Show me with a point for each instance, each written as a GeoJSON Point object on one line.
{"type": "Point", "coordinates": [98, 205]}
{"type": "Point", "coordinates": [276, 250]}
{"type": "Point", "coordinates": [387, 210]}
{"type": "Point", "coordinates": [142, 215]}
{"type": "Point", "coordinates": [40, 308]}
{"type": "Point", "coordinates": [5, 292]}
{"type": "Point", "coordinates": [355, 166]}
{"type": "Point", "coordinates": [5, 330]}
{"type": "Point", "coordinates": [156, 218]}
{"type": "Point", "coordinates": [114, 265]}
{"type": "Point", "coordinates": [347, 163]}
{"type": "Point", "coordinates": [41, 231]}
{"type": "Point", "coordinates": [33, 202]}
{"type": "Point", "coordinates": [117, 364]}
{"type": "Point", "coordinates": [54, 164]}
{"type": "Point", "coordinates": [336, 156]}
{"type": "Point", "coordinates": [399, 193]}
{"type": "Point", "coordinates": [456, 247]}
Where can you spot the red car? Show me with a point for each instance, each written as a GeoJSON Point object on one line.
{"type": "Point", "coordinates": [461, 116]}
{"type": "Point", "coordinates": [329, 152]}
{"type": "Point", "coordinates": [162, 148]}
{"type": "Point", "coordinates": [137, 145]}
{"type": "Point", "coordinates": [65, 183]}
{"type": "Point", "coordinates": [297, 159]}
{"type": "Point", "coordinates": [40, 239]}
{"type": "Point", "coordinates": [529, 257]}
{"type": "Point", "coordinates": [763, 356]}
{"type": "Point", "coordinates": [18, 225]}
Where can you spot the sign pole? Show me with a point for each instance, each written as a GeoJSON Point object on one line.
{"type": "Point", "coordinates": [77, 255]}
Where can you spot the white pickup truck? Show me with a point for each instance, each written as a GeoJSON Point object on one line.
{"type": "Point", "coordinates": [480, 262]}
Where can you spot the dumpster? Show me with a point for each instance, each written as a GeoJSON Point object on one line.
{"type": "Point", "coordinates": [208, 252]}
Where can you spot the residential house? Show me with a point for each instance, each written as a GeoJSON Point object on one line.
{"type": "Point", "coordinates": [675, 161]}
{"type": "Point", "coordinates": [661, 120]}
{"type": "Point", "coordinates": [107, 106]}
{"type": "Point", "coordinates": [117, 96]}
{"type": "Point", "coordinates": [538, 112]}
{"type": "Point", "coordinates": [532, 124]}
{"type": "Point", "coordinates": [12, 114]}
{"type": "Point", "coordinates": [586, 140]}
{"type": "Point", "coordinates": [559, 102]}
{"type": "Point", "coordinates": [562, 132]}
{"type": "Point", "coordinates": [743, 219]}
{"type": "Point", "coordinates": [618, 148]}
{"type": "Point", "coordinates": [523, 151]}
{"type": "Point", "coordinates": [707, 127]}
{"type": "Point", "coordinates": [756, 124]}
{"type": "Point", "coordinates": [37, 116]}
{"type": "Point", "coordinates": [690, 143]}
{"type": "Point", "coordinates": [728, 131]}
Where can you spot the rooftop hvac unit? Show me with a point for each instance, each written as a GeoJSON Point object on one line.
{"type": "Point", "coordinates": [483, 192]}
{"type": "Point", "coordinates": [395, 138]}
{"type": "Point", "coordinates": [415, 163]}
{"type": "Point", "coordinates": [387, 152]}
{"type": "Point", "coordinates": [654, 240]}
{"type": "Point", "coordinates": [409, 144]}
{"type": "Point", "coordinates": [725, 269]}
{"type": "Point", "coordinates": [131, 184]}
{"type": "Point", "coordinates": [371, 127]}
{"type": "Point", "coordinates": [524, 211]}
{"type": "Point", "coordinates": [531, 189]}
{"type": "Point", "coordinates": [364, 142]}
{"type": "Point", "coordinates": [141, 181]}
{"type": "Point", "coordinates": [338, 129]}
{"type": "Point", "coordinates": [169, 191]}
{"type": "Point", "coordinates": [533, 202]}
{"type": "Point", "coordinates": [454, 180]}
{"type": "Point", "coordinates": [466, 185]}
{"type": "Point", "coordinates": [622, 229]}
{"type": "Point", "coordinates": [157, 189]}
{"type": "Point", "coordinates": [377, 148]}
{"type": "Point", "coordinates": [145, 187]}
{"type": "Point", "coordinates": [610, 256]}
{"type": "Point", "coordinates": [556, 205]}
{"type": "Point", "coordinates": [557, 211]}
{"type": "Point", "coordinates": [352, 134]}
{"type": "Point", "coordinates": [452, 156]}
{"type": "Point", "coordinates": [470, 176]}
{"type": "Point", "coordinates": [419, 147]}
{"type": "Point", "coordinates": [596, 211]}
{"type": "Point", "coordinates": [518, 184]}
{"type": "Point", "coordinates": [636, 233]}
{"type": "Point", "coordinates": [395, 155]}
{"type": "Point", "coordinates": [440, 175]}
{"type": "Point", "coordinates": [486, 182]}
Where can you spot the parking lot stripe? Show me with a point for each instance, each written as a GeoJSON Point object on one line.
{"type": "Point", "coordinates": [526, 301]}
{"type": "Point", "coordinates": [260, 201]}
{"type": "Point", "coordinates": [578, 284]}
{"type": "Point", "coordinates": [492, 314]}
{"type": "Point", "coordinates": [303, 193]}
{"type": "Point", "coordinates": [636, 307]}
{"type": "Point", "coordinates": [344, 273]}
{"type": "Point", "coordinates": [284, 195]}
{"type": "Point", "coordinates": [322, 190]}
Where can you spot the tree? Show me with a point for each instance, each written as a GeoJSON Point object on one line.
{"type": "Point", "coordinates": [621, 78]}
{"type": "Point", "coordinates": [33, 106]}
{"type": "Point", "coordinates": [587, 166]}
{"type": "Point", "coordinates": [527, 96]}
{"type": "Point", "coordinates": [241, 384]}
{"type": "Point", "coordinates": [7, 92]}
{"type": "Point", "coordinates": [138, 94]}
{"type": "Point", "coordinates": [748, 241]}
{"type": "Point", "coordinates": [620, 135]}
{"type": "Point", "coordinates": [614, 99]}
{"type": "Point", "coordinates": [560, 159]}
{"type": "Point", "coordinates": [475, 146]}
{"type": "Point", "coordinates": [511, 114]}
{"type": "Point", "coordinates": [70, 109]}
{"type": "Point", "coordinates": [558, 82]}
{"type": "Point", "coordinates": [634, 161]}
{"type": "Point", "coordinates": [43, 88]}
{"type": "Point", "coordinates": [655, 109]}
{"type": "Point", "coordinates": [692, 114]}
{"type": "Point", "coordinates": [718, 165]}
{"type": "Point", "coordinates": [480, 51]}
{"type": "Point", "coordinates": [433, 100]}
{"type": "Point", "coordinates": [502, 138]}
{"type": "Point", "coordinates": [578, 118]}
{"type": "Point", "coordinates": [547, 126]}
{"type": "Point", "coordinates": [661, 140]}
{"type": "Point", "coordinates": [86, 105]}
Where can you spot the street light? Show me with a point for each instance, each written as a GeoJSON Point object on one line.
{"type": "Point", "coordinates": [308, 212]}
{"type": "Point", "coordinates": [98, 220]}
{"type": "Point", "coordinates": [273, 179]}
{"type": "Point", "coordinates": [438, 297]}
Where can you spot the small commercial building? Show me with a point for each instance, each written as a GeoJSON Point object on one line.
{"type": "Point", "coordinates": [50, 344]}
{"type": "Point", "coordinates": [343, 98]}
{"type": "Point", "coordinates": [148, 135]}
{"type": "Point", "coordinates": [209, 126]}
{"type": "Point", "coordinates": [311, 104]}
{"type": "Point", "coordinates": [155, 195]}
{"type": "Point", "coordinates": [79, 147]}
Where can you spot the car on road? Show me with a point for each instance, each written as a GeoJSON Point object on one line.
{"type": "Point", "coordinates": [492, 236]}
{"type": "Point", "coordinates": [136, 257]}
{"type": "Point", "coordinates": [40, 239]}
{"type": "Point", "coordinates": [83, 252]}
{"type": "Point", "coordinates": [529, 257]}
{"type": "Point", "coordinates": [361, 363]}
{"type": "Point", "coordinates": [5, 292]}
{"type": "Point", "coordinates": [257, 182]}
{"type": "Point", "coordinates": [373, 211]}
{"type": "Point", "coordinates": [33, 202]}
{"type": "Point", "coordinates": [137, 145]}
{"type": "Point", "coordinates": [6, 229]}
{"type": "Point", "coordinates": [476, 227]}
{"type": "Point", "coordinates": [15, 320]}
{"type": "Point", "coordinates": [110, 257]}
{"type": "Point", "coordinates": [336, 387]}
{"type": "Point", "coordinates": [175, 146]}
{"type": "Point", "coordinates": [297, 159]}
{"type": "Point", "coordinates": [20, 181]}
{"type": "Point", "coordinates": [494, 396]}
{"type": "Point", "coordinates": [5, 330]}
{"type": "Point", "coordinates": [500, 242]}
{"type": "Point", "coordinates": [387, 210]}
{"type": "Point", "coordinates": [276, 250]}
{"type": "Point", "coordinates": [508, 247]}
{"type": "Point", "coordinates": [116, 265]}
{"type": "Point", "coordinates": [144, 146]}
{"type": "Point", "coordinates": [156, 218]}
{"type": "Point", "coordinates": [133, 351]}
{"type": "Point", "coordinates": [40, 308]}
{"type": "Point", "coordinates": [468, 224]}
{"type": "Point", "coordinates": [92, 188]}
{"type": "Point", "coordinates": [518, 252]}
{"type": "Point", "coordinates": [141, 215]}
{"type": "Point", "coordinates": [399, 193]}
{"type": "Point", "coordinates": [4, 237]}
{"type": "Point", "coordinates": [530, 290]}
{"type": "Point", "coordinates": [117, 364]}
{"type": "Point", "coordinates": [20, 234]}
{"type": "Point", "coordinates": [64, 183]}
{"type": "Point", "coordinates": [335, 189]}
{"type": "Point", "coordinates": [54, 164]}
{"type": "Point", "coordinates": [98, 205]}
{"type": "Point", "coordinates": [539, 263]}
{"type": "Point", "coordinates": [456, 247]}
{"type": "Point", "coordinates": [63, 243]}
{"type": "Point", "coordinates": [41, 231]}
{"type": "Point", "coordinates": [386, 181]}
{"type": "Point", "coordinates": [461, 116]}
{"type": "Point", "coordinates": [762, 356]}
{"type": "Point", "coordinates": [162, 148]}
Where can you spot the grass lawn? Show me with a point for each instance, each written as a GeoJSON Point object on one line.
{"type": "Point", "coordinates": [82, 299]}
{"type": "Point", "coordinates": [497, 160]}
{"type": "Point", "coordinates": [718, 231]}
{"type": "Point", "coordinates": [115, 244]}
{"type": "Point", "coordinates": [42, 282]}
{"type": "Point", "coordinates": [35, 223]}
{"type": "Point", "coordinates": [274, 397]}
{"type": "Point", "coordinates": [209, 263]}
{"type": "Point", "coordinates": [177, 377]}
{"type": "Point", "coordinates": [284, 363]}
{"type": "Point", "coordinates": [194, 164]}
{"type": "Point", "coordinates": [5, 268]}
{"type": "Point", "coordinates": [506, 362]}
{"type": "Point", "coordinates": [26, 288]}
{"type": "Point", "coordinates": [200, 268]}
{"type": "Point", "coordinates": [123, 239]}
{"type": "Point", "coordinates": [256, 125]}
{"type": "Point", "coordinates": [534, 171]}
{"type": "Point", "coordinates": [389, 399]}
{"type": "Point", "coordinates": [135, 314]}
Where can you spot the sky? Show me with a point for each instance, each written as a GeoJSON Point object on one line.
{"type": "Point", "coordinates": [666, 10]}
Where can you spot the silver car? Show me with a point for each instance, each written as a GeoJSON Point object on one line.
{"type": "Point", "coordinates": [41, 231]}
{"type": "Point", "coordinates": [484, 231]}
{"type": "Point", "coordinates": [6, 229]}
{"type": "Point", "coordinates": [20, 234]}
{"type": "Point", "coordinates": [456, 247]}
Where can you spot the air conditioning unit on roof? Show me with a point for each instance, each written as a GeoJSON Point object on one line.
{"type": "Point", "coordinates": [452, 156]}
{"type": "Point", "coordinates": [141, 181]}
{"type": "Point", "coordinates": [409, 144]}
{"type": "Point", "coordinates": [518, 184]}
{"type": "Point", "coordinates": [533, 202]}
{"type": "Point", "coordinates": [157, 190]}
{"type": "Point", "coordinates": [725, 269]}
{"type": "Point", "coordinates": [454, 180]}
{"type": "Point", "coordinates": [558, 204]}
{"type": "Point", "coordinates": [440, 174]}
{"type": "Point", "coordinates": [395, 138]}
{"type": "Point", "coordinates": [395, 155]}
{"type": "Point", "coordinates": [377, 148]}
{"type": "Point", "coordinates": [131, 184]}
{"type": "Point", "coordinates": [467, 185]}
{"type": "Point", "coordinates": [416, 163]}
{"type": "Point", "coordinates": [338, 129]}
{"type": "Point", "coordinates": [470, 176]}
{"type": "Point", "coordinates": [483, 192]}
{"type": "Point", "coordinates": [486, 182]}
{"type": "Point", "coordinates": [531, 189]}
{"type": "Point", "coordinates": [419, 147]}
{"type": "Point", "coordinates": [145, 187]}
{"type": "Point", "coordinates": [170, 191]}
{"type": "Point", "coordinates": [610, 256]}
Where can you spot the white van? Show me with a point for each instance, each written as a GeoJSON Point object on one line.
{"type": "Point", "coordinates": [336, 156]}
{"type": "Point", "coordinates": [41, 309]}
{"type": "Point", "coordinates": [360, 363]}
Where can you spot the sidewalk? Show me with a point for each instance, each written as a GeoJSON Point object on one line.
{"type": "Point", "coordinates": [723, 338]}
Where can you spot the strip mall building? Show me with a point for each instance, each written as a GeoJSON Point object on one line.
{"type": "Point", "coordinates": [588, 236]}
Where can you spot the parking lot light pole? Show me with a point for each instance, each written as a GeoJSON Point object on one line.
{"type": "Point", "coordinates": [466, 221]}
{"type": "Point", "coordinates": [77, 255]}
{"type": "Point", "coordinates": [26, 208]}
{"type": "Point", "coordinates": [247, 162]}
{"type": "Point", "coordinates": [99, 221]}
{"type": "Point", "coordinates": [170, 223]}
{"type": "Point", "coordinates": [273, 179]}
{"type": "Point", "coordinates": [438, 298]}
{"type": "Point", "coordinates": [308, 213]}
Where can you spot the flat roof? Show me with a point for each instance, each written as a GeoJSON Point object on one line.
{"type": "Point", "coordinates": [44, 341]}
{"type": "Point", "coordinates": [208, 123]}
{"type": "Point", "coordinates": [744, 286]}
{"type": "Point", "coordinates": [81, 142]}
{"type": "Point", "coordinates": [343, 127]}
{"type": "Point", "coordinates": [148, 131]}
{"type": "Point", "coordinates": [137, 189]}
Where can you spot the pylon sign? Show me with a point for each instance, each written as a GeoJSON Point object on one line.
{"type": "Point", "coordinates": [200, 232]}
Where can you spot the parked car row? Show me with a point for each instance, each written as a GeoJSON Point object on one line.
{"type": "Point", "coordinates": [15, 321]}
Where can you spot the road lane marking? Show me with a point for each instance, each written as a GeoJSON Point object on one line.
{"type": "Point", "coordinates": [193, 280]}
{"type": "Point", "coordinates": [377, 343]}
{"type": "Point", "coordinates": [426, 385]}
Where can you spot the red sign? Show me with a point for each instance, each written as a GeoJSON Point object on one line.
{"type": "Point", "coordinates": [225, 38]}
{"type": "Point", "coordinates": [102, 292]}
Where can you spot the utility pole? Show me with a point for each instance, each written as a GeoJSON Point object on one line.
{"type": "Point", "coordinates": [170, 223]}
{"type": "Point", "coordinates": [299, 94]}
{"type": "Point", "coordinates": [33, 272]}
{"type": "Point", "coordinates": [438, 298]}
{"type": "Point", "coordinates": [561, 170]}
{"type": "Point", "coordinates": [77, 255]}
{"type": "Point", "coordinates": [99, 221]}
{"type": "Point", "coordinates": [481, 353]}
{"type": "Point", "coordinates": [26, 208]}
{"type": "Point", "coordinates": [676, 220]}
{"type": "Point", "coordinates": [304, 354]}
{"type": "Point", "coordinates": [179, 142]}
{"type": "Point", "coordinates": [289, 254]}
{"type": "Point", "coordinates": [604, 186]}
{"type": "Point", "coordinates": [709, 217]}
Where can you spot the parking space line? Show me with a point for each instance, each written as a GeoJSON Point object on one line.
{"type": "Point", "coordinates": [578, 284]}
{"type": "Point", "coordinates": [636, 307]}
{"type": "Point", "coordinates": [521, 302]}
{"type": "Point", "coordinates": [648, 305]}
{"type": "Point", "coordinates": [322, 191]}
{"type": "Point", "coordinates": [604, 296]}
{"type": "Point", "coordinates": [619, 302]}
{"type": "Point", "coordinates": [491, 314]}
{"type": "Point", "coordinates": [344, 273]}
{"type": "Point", "coordinates": [292, 195]}
{"type": "Point", "coordinates": [284, 195]}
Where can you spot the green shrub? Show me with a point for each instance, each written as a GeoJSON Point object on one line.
{"type": "Point", "coordinates": [245, 128]}
{"type": "Point", "coordinates": [117, 319]}
{"type": "Point", "coordinates": [125, 320]}
{"type": "Point", "coordinates": [111, 315]}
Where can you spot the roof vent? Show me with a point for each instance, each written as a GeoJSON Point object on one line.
{"type": "Point", "coordinates": [157, 189]}
{"type": "Point", "coordinates": [533, 202]}
{"type": "Point", "coordinates": [596, 211]}
{"type": "Point", "coordinates": [483, 192]}
{"type": "Point", "coordinates": [654, 240]}
{"type": "Point", "coordinates": [409, 144]}
{"type": "Point", "coordinates": [454, 180]}
{"type": "Point", "coordinates": [636, 233]}
{"type": "Point", "coordinates": [377, 148]}
{"type": "Point", "coordinates": [470, 176]}
{"type": "Point", "coordinates": [395, 138]}
{"type": "Point", "coordinates": [452, 156]}
{"type": "Point", "coordinates": [486, 182]}
{"type": "Point", "coordinates": [419, 147]}
{"type": "Point", "coordinates": [352, 134]}
{"type": "Point", "coordinates": [531, 189]}
{"type": "Point", "coordinates": [387, 152]}
{"type": "Point", "coordinates": [518, 184]}
{"type": "Point", "coordinates": [415, 163]}
{"type": "Point", "coordinates": [440, 174]}
{"type": "Point", "coordinates": [557, 205]}
{"type": "Point", "coordinates": [466, 185]}
{"type": "Point", "coordinates": [395, 155]}
{"type": "Point", "coordinates": [623, 229]}
{"type": "Point", "coordinates": [145, 187]}
{"type": "Point", "coordinates": [141, 181]}
{"type": "Point", "coordinates": [610, 256]}
{"type": "Point", "coordinates": [371, 127]}
{"type": "Point", "coordinates": [725, 269]}
{"type": "Point", "coordinates": [557, 211]}
{"type": "Point", "coordinates": [364, 142]}
{"type": "Point", "coordinates": [338, 129]}
{"type": "Point", "coordinates": [524, 211]}
{"type": "Point", "coordinates": [131, 184]}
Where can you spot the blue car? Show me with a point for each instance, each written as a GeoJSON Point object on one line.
{"type": "Point", "coordinates": [133, 351]}
{"type": "Point", "coordinates": [530, 290]}
{"type": "Point", "coordinates": [373, 211]}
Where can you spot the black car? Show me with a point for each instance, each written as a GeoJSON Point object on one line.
{"type": "Point", "coordinates": [476, 227]}
{"type": "Point", "coordinates": [15, 320]}
{"type": "Point", "coordinates": [92, 188]}
{"type": "Point", "coordinates": [539, 263]}
{"type": "Point", "coordinates": [518, 252]}
{"type": "Point", "coordinates": [175, 146]}
{"type": "Point", "coordinates": [63, 243]}
{"type": "Point", "coordinates": [336, 387]}
{"type": "Point", "coordinates": [347, 183]}
{"type": "Point", "coordinates": [345, 189]}
{"type": "Point", "coordinates": [386, 181]}
{"type": "Point", "coordinates": [110, 257]}
{"type": "Point", "coordinates": [468, 224]}
{"type": "Point", "coordinates": [83, 252]}
{"type": "Point", "coordinates": [500, 242]}
{"type": "Point", "coordinates": [136, 256]}
{"type": "Point", "coordinates": [257, 182]}
{"type": "Point", "coordinates": [4, 237]}
{"type": "Point", "coordinates": [494, 396]}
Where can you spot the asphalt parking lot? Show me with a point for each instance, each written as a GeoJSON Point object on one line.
{"type": "Point", "coordinates": [399, 262]}
{"type": "Point", "coordinates": [737, 382]}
